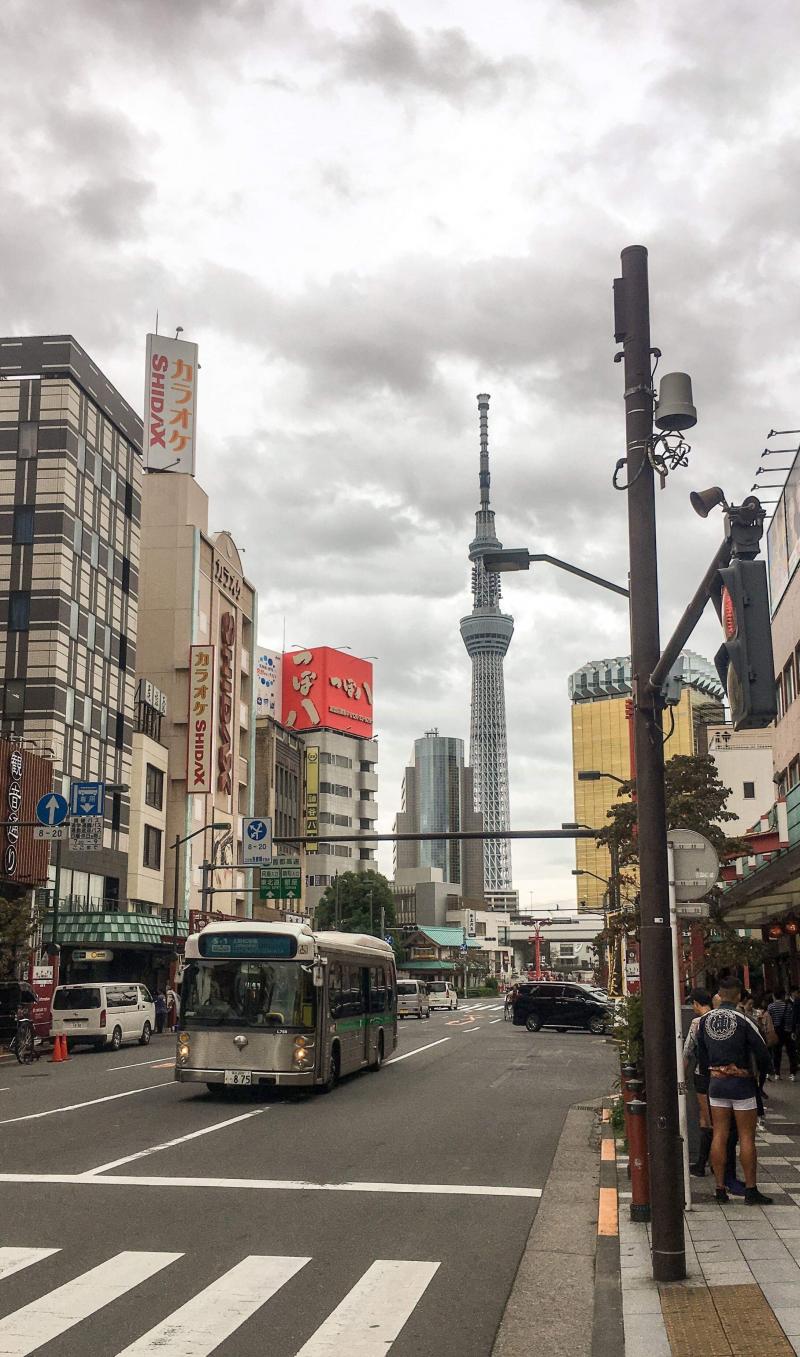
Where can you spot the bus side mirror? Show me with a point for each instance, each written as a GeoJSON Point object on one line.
{"type": "Point", "coordinates": [318, 975]}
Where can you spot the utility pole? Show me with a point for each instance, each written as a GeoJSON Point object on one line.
{"type": "Point", "coordinates": [632, 329]}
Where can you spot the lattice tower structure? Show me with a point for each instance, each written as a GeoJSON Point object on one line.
{"type": "Point", "coordinates": [487, 633]}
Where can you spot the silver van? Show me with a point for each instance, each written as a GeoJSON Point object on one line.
{"type": "Point", "coordinates": [412, 999]}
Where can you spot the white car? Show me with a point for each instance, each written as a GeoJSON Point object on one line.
{"type": "Point", "coordinates": [441, 994]}
{"type": "Point", "coordinates": [103, 1014]}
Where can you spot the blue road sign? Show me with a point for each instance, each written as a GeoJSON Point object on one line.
{"type": "Point", "coordinates": [463, 947]}
{"type": "Point", "coordinates": [52, 809]}
{"type": "Point", "coordinates": [86, 798]}
{"type": "Point", "coordinates": [257, 842]}
{"type": "Point", "coordinates": [257, 829]}
{"type": "Point", "coordinates": [388, 938]}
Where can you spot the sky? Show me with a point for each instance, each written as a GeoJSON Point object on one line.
{"type": "Point", "coordinates": [366, 214]}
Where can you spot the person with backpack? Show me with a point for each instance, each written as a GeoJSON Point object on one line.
{"type": "Point", "coordinates": [781, 1011]}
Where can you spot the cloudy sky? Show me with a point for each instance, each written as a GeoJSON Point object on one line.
{"type": "Point", "coordinates": [366, 214]}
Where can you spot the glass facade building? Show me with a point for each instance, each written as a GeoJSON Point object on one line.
{"type": "Point", "coordinates": [438, 797]}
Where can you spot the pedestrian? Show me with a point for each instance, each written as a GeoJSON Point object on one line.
{"type": "Point", "coordinates": [161, 1011]}
{"type": "Point", "coordinates": [701, 1004]}
{"type": "Point", "coordinates": [172, 1009]}
{"type": "Point", "coordinates": [781, 1011]}
{"type": "Point", "coordinates": [732, 1053]}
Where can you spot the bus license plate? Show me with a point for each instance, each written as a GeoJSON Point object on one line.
{"type": "Point", "coordinates": [238, 1077]}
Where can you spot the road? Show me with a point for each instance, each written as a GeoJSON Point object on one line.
{"type": "Point", "coordinates": [140, 1216]}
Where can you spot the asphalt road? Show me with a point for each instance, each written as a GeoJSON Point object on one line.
{"type": "Point", "coordinates": [140, 1216]}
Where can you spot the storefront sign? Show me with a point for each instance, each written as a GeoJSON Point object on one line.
{"type": "Point", "coordinates": [100, 954]}
{"type": "Point", "coordinates": [170, 404]}
{"type": "Point", "coordinates": [312, 797]}
{"type": "Point", "coordinates": [201, 705]}
{"type": "Point", "coordinates": [326, 687]}
{"type": "Point", "coordinates": [13, 803]}
{"type": "Point", "coordinates": [227, 642]}
{"type": "Point", "coordinates": [227, 580]}
{"type": "Point", "coordinates": [267, 684]}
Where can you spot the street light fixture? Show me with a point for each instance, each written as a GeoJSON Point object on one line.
{"type": "Point", "coordinates": [519, 558]}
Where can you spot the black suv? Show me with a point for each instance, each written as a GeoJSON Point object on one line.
{"type": "Point", "coordinates": [551, 1003]}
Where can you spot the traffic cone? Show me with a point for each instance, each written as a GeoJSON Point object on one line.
{"type": "Point", "coordinates": [65, 1055]}
{"type": "Point", "coordinates": [56, 1057]}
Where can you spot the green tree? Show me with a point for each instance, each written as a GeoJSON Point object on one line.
{"type": "Point", "coordinates": [360, 897]}
{"type": "Point", "coordinates": [17, 923]}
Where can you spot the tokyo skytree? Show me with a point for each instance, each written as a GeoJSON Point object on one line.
{"type": "Point", "coordinates": [487, 635]}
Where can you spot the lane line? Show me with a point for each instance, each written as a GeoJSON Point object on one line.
{"type": "Point", "coordinates": [270, 1185]}
{"type": "Point", "coordinates": [46, 1318]}
{"type": "Point", "coordinates": [408, 1054]}
{"type": "Point", "coordinates": [179, 1140]}
{"type": "Point", "coordinates": [494, 1020]}
{"type": "Point", "coordinates": [74, 1107]}
{"type": "Point", "coordinates": [471, 1029]}
{"type": "Point", "coordinates": [205, 1321]}
{"type": "Point", "coordinates": [371, 1316]}
{"type": "Point", "coordinates": [14, 1260]}
{"type": "Point", "coordinates": [137, 1064]}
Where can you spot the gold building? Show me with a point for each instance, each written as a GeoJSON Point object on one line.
{"type": "Point", "coordinates": [601, 741]}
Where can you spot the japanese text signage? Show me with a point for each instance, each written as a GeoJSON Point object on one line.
{"type": "Point", "coordinates": [327, 688]}
{"type": "Point", "coordinates": [312, 796]}
{"type": "Point", "coordinates": [13, 803]}
{"type": "Point", "coordinates": [267, 684]}
{"type": "Point", "coordinates": [227, 646]}
{"type": "Point", "coordinates": [86, 834]}
{"type": "Point", "coordinates": [170, 404]}
{"type": "Point", "coordinates": [201, 721]}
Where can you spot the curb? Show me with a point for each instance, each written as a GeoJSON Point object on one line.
{"type": "Point", "coordinates": [608, 1330]}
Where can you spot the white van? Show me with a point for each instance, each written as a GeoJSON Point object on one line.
{"type": "Point", "coordinates": [412, 997]}
{"type": "Point", "coordinates": [442, 994]}
{"type": "Point", "coordinates": [103, 1015]}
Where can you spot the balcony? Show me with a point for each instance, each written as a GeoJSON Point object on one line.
{"type": "Point", "coordinates": [367, 810]}
{"type": "Point", "coordinates": [367, 782]}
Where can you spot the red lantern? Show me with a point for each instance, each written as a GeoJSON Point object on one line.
{"type": "Point", "coordinates": [790, 927]}
{"type": "Point", "coordinates": [776, 930]}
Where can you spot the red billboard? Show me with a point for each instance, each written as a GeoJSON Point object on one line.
{"type": "Point", "coordinates": [24, 778]}
{"type": "Point", "coordinates": [327, 688]}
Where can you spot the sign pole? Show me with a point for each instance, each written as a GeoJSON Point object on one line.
{"type": "Point", "coordinates": [56, 894]}
{"type": "Point", "coordinates": [683, 1123]}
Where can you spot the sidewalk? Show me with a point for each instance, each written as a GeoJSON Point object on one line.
{"type": "Point", "coordinates": [741, 1297]}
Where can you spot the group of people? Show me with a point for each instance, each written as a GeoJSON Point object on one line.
{"type": "Point", "coordinates": [734, 1045]}
{"type": "Point", "coordinates": [166, 1005]}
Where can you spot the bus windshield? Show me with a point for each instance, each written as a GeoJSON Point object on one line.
{"type": "Point", "coordinates": [248, 994]}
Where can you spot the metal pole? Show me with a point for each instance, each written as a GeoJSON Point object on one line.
{"type": "Point", "coordinates": [205, 872]}
{"type": "Point", "coordinates": [632, 325]}
{"type": "Point", "coordinates": [691, 616]}
{"type": "Point", "coordinates": [56, 893]}
{"type": "Point", "coordinates": [383, 921]}
{"type": "Point", "coordinates": [176, 889]}
{"type": "Point", "coordinates": [614, 909]}
{"type": "Point", "coordinates": [677, 991]}
{"type": "Point", "coordinates": [336, 915]}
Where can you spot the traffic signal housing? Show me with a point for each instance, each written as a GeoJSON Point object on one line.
{"type": "Point", "coordinates": [744, 661]}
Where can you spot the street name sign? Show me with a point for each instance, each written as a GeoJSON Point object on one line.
{"type": "Point", "coordinates": [51, 809]}
{"type": "Point", "coordinates": [700, 910]}
{"type": "Point", "coordinates": [256, 842]}
{"type": "Point", "coordinates": [695, 864]}
{"type": "Point", "coordinates": [280, 882]}
{"type": "Point", "coordinates": [87, 798]}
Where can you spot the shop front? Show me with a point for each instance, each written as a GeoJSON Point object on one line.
{"type": "Point", "coordinates": [115, 947]}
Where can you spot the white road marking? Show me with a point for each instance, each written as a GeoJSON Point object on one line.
{"type": "Point", "coordinates": [14, 1260]}
{"type": "Point", "coordinates": [211, 1316]}
{"type": "Point", "coordinates": [179, 1140]}
{"type": "Point", "coordinates": [46, 1318]}
{"type": "Point", "coordinates": [408, 1054]}
{"type": "Point", "coordinates": [137, 1064]}
{"type": "Point", "coordinates": [471, 1029]}
{"type": "Point", "coordinates": [73, 1107]}
{"type": "Point", "coordinates": [496, 1007]}
{"type": "Point", "coordinates": [494, 1020]}
{"type": "Point", "coordinates": [371, 1315]}
{"type": "Point", "coordinates": [7, 1089]}
{"type": "Point", "coordinates": [269, 1185]}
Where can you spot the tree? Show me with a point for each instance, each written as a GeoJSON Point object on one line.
{"type": "Point", "coordinates": [360, 896]}
{"type": "Point", "coordinates": [17, 922]}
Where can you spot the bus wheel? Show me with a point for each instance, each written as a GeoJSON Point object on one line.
{"type": "Point", "coordinates": [378, 1061]}
{"type": "Point", "coordinates": [333, 1073]}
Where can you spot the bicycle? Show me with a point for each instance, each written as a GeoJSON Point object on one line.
{"type": "Point", "coordinates": [24, 1042]}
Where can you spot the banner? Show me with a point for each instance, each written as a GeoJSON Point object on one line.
{"type": "Point", "coordinates": [312, 796]}
{"type": "Point", "coordinates": [170, 404]}
{"type": "Point", "coordinates": [201, 725]}
{"type": "Point", "coordinates": [267, 684]}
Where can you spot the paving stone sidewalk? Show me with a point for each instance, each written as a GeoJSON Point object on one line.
{"type": "Point", "coordinates": [741, 1297]}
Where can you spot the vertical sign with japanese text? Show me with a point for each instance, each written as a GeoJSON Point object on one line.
{"type": "Point", "coordinates": [201, 722]}
{"type": "Point", "coordinates": [13, 804]}
{"type": "Point", "coordinates": [170, 404]}
{"type": "Point", "coordinates": [312, 795]}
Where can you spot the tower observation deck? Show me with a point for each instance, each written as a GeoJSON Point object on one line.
{"type": "Point", "coordinates": [487, 633]}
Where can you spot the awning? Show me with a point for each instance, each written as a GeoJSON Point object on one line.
{"type": "Point", "coordinates": [773, 888]}
{"type": "Point", "coordinates": [106, 929]}
{"type": "Point", "coordinates": [426, 965]}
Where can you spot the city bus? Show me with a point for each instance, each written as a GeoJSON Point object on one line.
{"type": "Point", "coordinates": [277, 1004]}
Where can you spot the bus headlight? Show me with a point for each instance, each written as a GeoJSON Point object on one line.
{"type": "Point", "coordinates": [303, 1052]}
{"type": "Point", "coordinates": [183, 1051]}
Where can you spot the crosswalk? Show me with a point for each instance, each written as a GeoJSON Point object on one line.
{"type": "Point", "coordinates": [365, 1322]}
{"type": "Point", "coordinates": [481, 1008]}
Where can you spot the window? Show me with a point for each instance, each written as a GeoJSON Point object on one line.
{"type": "Point", "coordinates": [74, 613]}
{"type": "Point", "coordinates": [794, 772]}
{"type": "Point", "coordinates": [128, 500]}
{"type": "Point", "coordinates": [126, 575]}
{"type": "Point", "coordinates": [119, 734]}
{"type": "Point", "coordinates": [788, 684]}
{"type": "Point", "coordinates": [69, 706]}
{"type": "Point", "coordinates": [116, 804]}
{"type": "Point", "coordinates": [94, 548]}
{"type": "Point", "coordinates": [81, 452]}
{"type": "Point", "coordinates": [87, 715]}
{"type": "Point", "coordinates": [91, 630]}
{"type": "Point", "coordinates": [335, 789]}
{"type": "Point", "coordinates": [15, 697]}
{"type": "Point", "coordinates": [19, 610]}
{"type": "Point", "coordinates": [23, 524]}
{"type": "Point", "coordinates": [749, 791]}
{"type": "Point", "coordinates": [377, 989]}
{"type": "Point", "coordinates": [104, 725]}
{"type": "Point", "coordinates": [779, 698]}
{"type": "Point", "coordinates": [123, 652]}
{"type": "Point", "coordinates": [28, 444]}
{"type": "Point", "coordinates": [154, 787]}
{"type": "Point", "coordinates": [152, 848]}
{"type": "Point", "coordinates": [77, 536]}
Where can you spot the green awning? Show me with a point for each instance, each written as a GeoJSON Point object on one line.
{"type": "Point", "coordinates": [426, 965]}
{"type": "Point", "coordinates": [103, 929]}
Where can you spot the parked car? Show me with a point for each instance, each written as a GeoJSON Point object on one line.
{"type": "Point", "coordinates": [442, 994]}
{"type": "Point", "coordinates": [103, 1014]}
{"type": "Point", "coordinates": [548, 1003]}
{"type": "Point", "coordinates": [412, 998]}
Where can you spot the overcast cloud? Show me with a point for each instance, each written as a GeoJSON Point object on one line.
{"type": "Point", "coordinates": [365, 214]}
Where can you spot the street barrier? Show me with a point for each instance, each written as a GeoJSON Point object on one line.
{"type": "Point", "coordinates": [60, 1052]}
{"type": "Point", "coordinates": [638, 1160]}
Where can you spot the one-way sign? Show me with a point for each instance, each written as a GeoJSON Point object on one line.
{"type": "Point", "coordinates": [51, 809]}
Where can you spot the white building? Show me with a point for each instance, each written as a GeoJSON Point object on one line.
{"type": "Point", "coordinates": [745, 765]}
{"type": "Point", "coordinates": [348, 802]}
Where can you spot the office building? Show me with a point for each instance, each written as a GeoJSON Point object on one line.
{"type": "Point", "coordinates": [745, 767]}
{"type": "Point", "coordinates": [487, 633]}
{"type": "Point", "coordinates": [600, 693]}
{"type": "Point", "coordinates": [70, 509]}
{"type": "Point", "coordinates": [438, 796]}
{"type": "Point", "coordinates": [278, 794]}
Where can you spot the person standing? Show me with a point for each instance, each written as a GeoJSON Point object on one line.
{"type": "Point", "coordinates": [781, 1011]}
{"type": "Point", "coordinates": [731, 1050]}
{"type": "Point", "coordinates": [172, 1009]}
{"type": "Point", "coordinates": [161, 1011]}
{"type": "Point", "coordinates": [701, 1004]}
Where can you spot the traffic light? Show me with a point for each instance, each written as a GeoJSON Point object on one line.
{"type": "Point", "coordinates": [744, 662]}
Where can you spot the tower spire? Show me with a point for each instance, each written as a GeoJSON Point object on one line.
{"type": "Point", "coordinates": [483, 475]}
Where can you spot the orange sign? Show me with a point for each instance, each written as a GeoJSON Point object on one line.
{"type": "Point", "coordinates": [327, 688]}
{"type": "Point", "coordinates": [201, 724]}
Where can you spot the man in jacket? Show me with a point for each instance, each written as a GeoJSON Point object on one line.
{"type": "Point", "coordinates": [733, 1054]}
{"type": "Point", "coordinates": [781, 1011]}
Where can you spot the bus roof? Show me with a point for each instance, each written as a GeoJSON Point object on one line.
{"type": "Point", "coordinates": [328, 941]}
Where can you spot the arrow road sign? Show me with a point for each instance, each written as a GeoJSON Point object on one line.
{"type": "Point", "coordinates": [51, 809]}
{"type": "Point", "coordinates": [86, 798]}
{"type": "Point", "coordinates": [257, 842]}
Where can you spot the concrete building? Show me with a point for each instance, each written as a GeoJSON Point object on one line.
{"type": "Point", "coordinates": [148, 799]}
{"type": "Point", "coordinates": [601, 741]}
{"type": "Point", "coordinates": [278, 793]}
{"type": "Point", "coordinates": [744, 760]}
{"type": "Point", "coordinates": [438, 796]}
{"type": "Point", "coordinates": [193, 593]}
{"type": "Point", "coordinates": [422, 896]}
{"type": "Point", "coordinates": [348, 802]}
{"type": "Point", "coordinates": [70, 510]}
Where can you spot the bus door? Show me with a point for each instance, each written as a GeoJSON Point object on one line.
{"type": "Point", "coordinates": [369, 1034]}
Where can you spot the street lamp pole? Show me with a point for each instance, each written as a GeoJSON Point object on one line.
{"type": "Point", "coordinates": [215, 825]}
